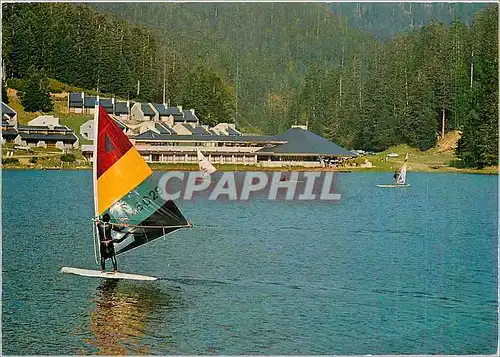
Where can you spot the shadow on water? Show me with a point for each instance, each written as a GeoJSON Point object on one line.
{"type": "Point", "coordinates": [123, 315]}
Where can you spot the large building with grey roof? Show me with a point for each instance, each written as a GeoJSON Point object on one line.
{"type": "Point", "coordinates": [296, 146]}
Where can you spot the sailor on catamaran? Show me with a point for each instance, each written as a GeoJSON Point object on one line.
{"type": "Point", "coordinates": [107, 247]}
{"type": "Point", "coordinates": [396, 176]}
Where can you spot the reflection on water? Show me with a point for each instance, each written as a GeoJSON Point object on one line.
{"type": "Point", "coordinates": [122, 314]}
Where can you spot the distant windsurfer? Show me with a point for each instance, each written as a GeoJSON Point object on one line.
{"type": "Point", "coordinates": [107, 247]}
{"type": "Point", "coordinates": [396, 176]}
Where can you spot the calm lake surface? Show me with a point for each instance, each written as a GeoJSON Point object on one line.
{"type": "Point", "coordinates": [383, 271]}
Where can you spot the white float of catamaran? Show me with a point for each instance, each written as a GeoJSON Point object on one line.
{"type": "Point", "coordinates": [126, 189]}
{"type": "Point", "coordinates": [401, 178]}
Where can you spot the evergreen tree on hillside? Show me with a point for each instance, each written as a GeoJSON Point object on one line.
{"type": "Point", "coordinates": [478, 146]}
{"type": "Point", "coordinates": [5, 97]}
{"type": "Point", "coordinates": [36, 96]}
{"type": "Point", "coordinates": [206, 92]}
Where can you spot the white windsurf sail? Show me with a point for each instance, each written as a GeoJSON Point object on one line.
{"type": "Point", "coordinates": [402, 174]}
{"type": "Point", "coordinates": [206, 166]}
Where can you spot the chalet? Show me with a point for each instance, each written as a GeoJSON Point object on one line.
{"type": "Point", "coordinates": [143, 112]}
{"type": "Point", "coordinates": [226, 129]}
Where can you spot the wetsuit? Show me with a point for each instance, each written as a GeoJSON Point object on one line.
{"type": "Point", "coordinates": [396, 176]}
{"type": "Point", "coordinates": [106, 243]}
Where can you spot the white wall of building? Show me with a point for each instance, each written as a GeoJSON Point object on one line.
{"type": "Point", "coordinates": [44, 120]}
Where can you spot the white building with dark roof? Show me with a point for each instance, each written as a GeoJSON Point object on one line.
{"type": "Point", "coordinates": [60, 137]}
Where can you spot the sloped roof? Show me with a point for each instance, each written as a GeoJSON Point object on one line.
{"type": "Point", "coordinates": [75, 100]}
{"type": "Point", "coordinates": [197, 130]}
{"type": "Point", "coordinates": [231, 131]}
{"type": "Point", "coordinates": [61, 128]}
{"type": "Point", "coordinates": [90, 102]}
{"type": "Point", "coordinates": [165, 111]}
{"type": "Point", "coordinates": [304, 142]}
{"type": "Point", "coordinates": [121, 108]}
{"type": "Point", "coordinates": [7, 110]}
{"type": "Point", "coordinates": [106, 103]}
{"type": "Point", "coordinates": [146, 109]}
{"type": "Point", "coordinates": [164, 128]}
{"type": "Point", "coordinates": [174, 111]}
{"type": "Point", "coordinates": [189, 117]}
{"type": "Point", "coordinates": [9, 133]}
{"type": "Point", "coordinates": [151, 135]}
{"type": "Point", "coordinates": [43, 137]}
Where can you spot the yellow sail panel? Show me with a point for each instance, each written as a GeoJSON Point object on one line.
{"type": "Point", "coordinates": [121, 178]}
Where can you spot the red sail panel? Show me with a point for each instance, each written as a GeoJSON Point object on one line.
{"type": "Point", "coordinates": [112, 143]}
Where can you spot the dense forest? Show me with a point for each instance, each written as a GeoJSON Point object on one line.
{"type": "Point", "coordinates": [385, 20]}
{"type": "Point", "coordinates": [78, 45]}
{"type": "Point", "coordinates": [270, 65]}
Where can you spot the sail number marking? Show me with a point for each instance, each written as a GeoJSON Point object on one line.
{"type": "Point", "coordinates": [148, 198]}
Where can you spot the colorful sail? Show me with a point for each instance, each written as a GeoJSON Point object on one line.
{"type": "Point", "coordinates": [402, 174]}
{"type": "Point", "coordinates": [206, 166]}
{"type": "Point", "coordinates": [125, 187]}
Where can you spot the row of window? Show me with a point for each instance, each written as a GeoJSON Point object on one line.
{"type": "Point", "coordinates": [204, 144]}
{"type": "Point", "coordinates": [194, 159]}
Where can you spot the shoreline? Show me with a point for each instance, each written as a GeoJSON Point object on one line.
{"type": "Point", "coordinates": [244, 168]}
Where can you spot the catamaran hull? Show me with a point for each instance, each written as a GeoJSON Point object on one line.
{"type": "Point", "coordinates": [393, 186]}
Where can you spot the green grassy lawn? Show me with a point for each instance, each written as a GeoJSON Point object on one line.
{"type": "Point", "coordinates": [74, 121]}
{"type": "Point", "coordinates": [431, 160]}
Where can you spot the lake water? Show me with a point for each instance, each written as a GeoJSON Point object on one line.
{"type": "Point", "coordinates": [383, 271]}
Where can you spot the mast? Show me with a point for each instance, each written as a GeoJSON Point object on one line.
{"type": "Point", "coordinates": [97, 249]}
{"type": "Point", "coordinates": [94, 157]}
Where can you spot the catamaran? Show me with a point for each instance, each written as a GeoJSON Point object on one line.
{"type": "Point", "coordinates": [400, 181]}
{"type": "Point", "coordinates": [126, 188]}
{"type": "Point", "coordinates": [206, 167]}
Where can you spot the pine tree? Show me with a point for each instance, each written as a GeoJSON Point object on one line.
{"type": "Point", "coordinates": [36, 96]}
